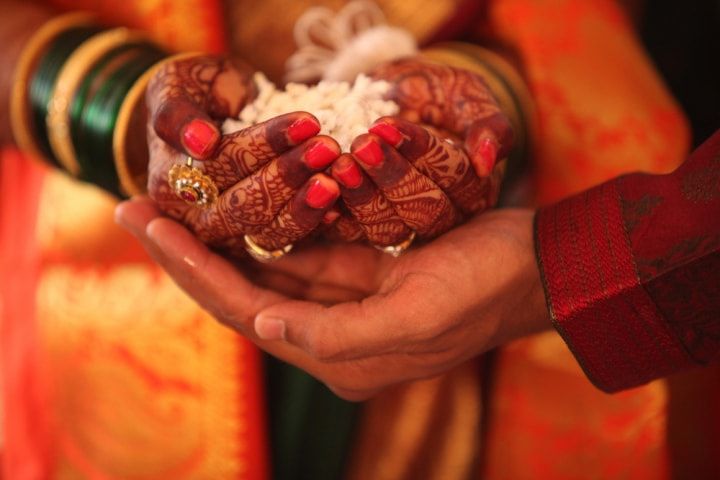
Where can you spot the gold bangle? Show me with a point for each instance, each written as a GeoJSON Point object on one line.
{"type": "Point", "coordinates": [132, 169]}
{"type": "Point", "coordinates": [20, 118]}
{"type": "Point", "coordinates": [71, 76]}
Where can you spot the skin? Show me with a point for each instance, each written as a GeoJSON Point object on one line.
{"type": "Point", "coordinates": [15, 30]}
{"type": "Point", "coordinates": [438, 172]}
{"type": "Point", "coordinates": [427, 180]}
{"type": "Point", "coordinates": [358, 320]}
{"type": "Point", "coordinates": [261, 173]}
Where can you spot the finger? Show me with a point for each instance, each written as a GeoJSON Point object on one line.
{"type": "Point", "coordinates": [354, 395]}
{"type": "Point", "coordinates": [443, 161]}
{"type": "Point", "coordinates": [376, 217]}
{"type": "Point", "coordinates": [242, 153]}
{"type": "Point", "coordinates": [419, 202]}
{"type": "Point", "coordinates": [301, 215]}
{"type": "Point", "coordinates": [488, 141]}
{"type": "Point", "coordinates": [453, 99]}
{"type": "Point", "coordinates": [257, 200]}
{"type": "Point", "coordinates": [327, 334]}
{"type": "Point", "coordinates": [345, 229]}
{"type": "Point", "coordinates": [378, 325]}
{"type": "Point", "coordinates": [185, 95]}
{"type": "Point", "coordinates": [211, 280]}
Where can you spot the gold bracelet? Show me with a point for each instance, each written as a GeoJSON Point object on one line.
{"type": "Point", "coordinates": [132, 157]}
{"type": "Point", "coordinates": [71, 76]}
{"type": "Point", "coordinates": [20, 118]}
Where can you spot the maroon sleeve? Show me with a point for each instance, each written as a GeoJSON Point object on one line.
{"type": "Point", "coordinates": [631, 271]}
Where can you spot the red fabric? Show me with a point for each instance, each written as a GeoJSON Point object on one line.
{"type": "Point", "coordinates": [631, 270]}
{"type": "Point", "coordinates": [28, 455]}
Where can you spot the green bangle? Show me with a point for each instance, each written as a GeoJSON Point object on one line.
{"type": "Point", "coordinates": [43, 81]}
{"type": "Point", "coordinates": [95, 116]}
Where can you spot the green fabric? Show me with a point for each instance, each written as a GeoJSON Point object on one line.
{"type": "Point", "coordinates": [311, 429]}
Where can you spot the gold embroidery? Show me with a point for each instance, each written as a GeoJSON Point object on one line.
{"type": "Point", "coordinates": [144, 384]}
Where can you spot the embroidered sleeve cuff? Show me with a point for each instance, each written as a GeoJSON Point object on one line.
{"type": "Point", "coordinates": [596, 300]}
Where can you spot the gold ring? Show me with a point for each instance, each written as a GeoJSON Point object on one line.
{"type": "Point", "coordinates": [262, 255]}
{"type": "Point", "coordinates": [399, 249]}
{"type": "Point", "coordinates": [191, 185]}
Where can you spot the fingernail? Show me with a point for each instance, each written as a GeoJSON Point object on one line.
{"type": "Point", "coordinates": [488, 154]}
{"type": "Point", "coordinates": [319, 195]}
{"type": "Point", "coordinates": [348, 173]}
{"type": "Point", "coordinates": [330, 216]}
{"type": "Point", "coordinates": [132, 223]}
{"type": "Point", "coordinates": [119, 215]}
{"type": "Point", "coordinates": [388, 133]}
{"type": "Point", "coordinates": [302, 130]}
{"type": "Point", "coordinates": [319, 156]}
{"type": "Point", "coordinates": [370, 154]}
{"type": "Point", "coordinates": [269, 328]}
{"type": "Point", "coordinates": [199, 138]}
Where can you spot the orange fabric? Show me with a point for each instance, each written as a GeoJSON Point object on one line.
{"type": "Point", "coordinates": [109, 370]}
{"type": "Point", "coordinates": [180, 25]}
{"type": "Point", "coordinates": [601, 111]}
{"type": "Point", "coordinates": [602, 108]}
{"type": "Point", "coordinates": [25, 430]}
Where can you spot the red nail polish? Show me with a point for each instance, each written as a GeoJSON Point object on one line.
{"type": "Point", "coordinates": [488, 154]}
{"type": "Point", "coordinates": [302, 130]}
{"type": "Point", "coordinates": [388, 133]}
{"type": "Point", "coordinates": [330, 216]}
{"type": "Point", "coordinates": [199, 138]}
{"type": "Point", "coordinates": [348, 173]}
{"type": "Point", "coordinates": [370, 154]}
{"type": "Point", "coordinates": [319, 196]}
{"type": "Point", "coordinates": [319, 156]}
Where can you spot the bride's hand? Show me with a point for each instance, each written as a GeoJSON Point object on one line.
{"type": "Point", "coordinates": [268, 175]}
{"type": "Point", "coordinates": [427, 169]}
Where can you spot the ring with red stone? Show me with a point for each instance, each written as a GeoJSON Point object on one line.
{"type": "Point", "coordinates": [191, 185]}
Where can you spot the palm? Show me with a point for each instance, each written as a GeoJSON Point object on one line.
{"type": "Point", "coordinates": [332, 273]}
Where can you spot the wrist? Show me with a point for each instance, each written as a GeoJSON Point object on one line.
{"type": "Point", "coordinates": [510, 287]}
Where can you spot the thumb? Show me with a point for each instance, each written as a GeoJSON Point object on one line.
{"type": "Point", "coordinates": [186, 94]}
{"type": "Point", "coordinates": [344, 331]}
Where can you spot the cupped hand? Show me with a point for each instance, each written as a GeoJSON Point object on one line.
{"type": "Point", "coordinates": [358, 320]}
{"type": "Point", "coordinates": [268, 176]}
{"type": "Point", "coordinates": [424, 171]}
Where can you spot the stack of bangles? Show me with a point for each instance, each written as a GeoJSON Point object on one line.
{"type": "Point", "coordinates": [77, 89]}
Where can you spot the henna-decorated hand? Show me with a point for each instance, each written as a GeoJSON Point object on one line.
{"type": "Point", "coordinates": [427, 177]}
{"type": "Point", "coordinates": [268, 175]}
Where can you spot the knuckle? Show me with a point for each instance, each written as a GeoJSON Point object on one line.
{"type": "Point", "coordinates": [319, 346]}
{"type": "Point", "coordinates": [320, 349]}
